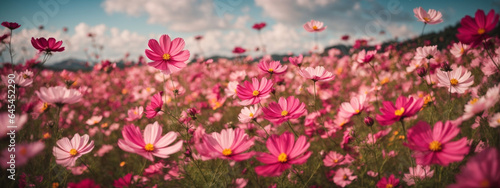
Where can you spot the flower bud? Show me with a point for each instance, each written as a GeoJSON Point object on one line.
{"type": "Point", "coordinates": [421, 71]}
{"type": "Point", "coordinates": [368, 121]}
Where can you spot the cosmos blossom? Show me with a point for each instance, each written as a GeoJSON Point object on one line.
{"type": "Point", "coordinates": [426, 52]}
{"type": "Point", "coordinates": [297, 61]}
{"type": "Point", "coordinates": [23, 153]}
{"type": "Point", "coordinates": [405, 107]}
{"type": "Point", "coordinates": [388, 182]}
{"type": "Point", "coordinates": [168, 55]}
{"type": "Point", "coordinates": [155, 106]}
{"type": "Point", "coordinates": [459, 49]}
{"type": "Point", "coordinates": [356, 106]}
{"type": "Point", "coordinates": [247, 114]}
{"type": "Point", "coordinates": [228, 144]}
{"type": "Point", "coordinates": [430, 17]}
{"type": "Point", "coordinates": [259, 26]}
{"type": "Point", "coordinates": [314, 26]}
{"type": "Point", "coordinates": [150, 143]}
{"type": "Point", "coordinates": [343, 177]}
{"type": "Point", "coordinates": [272, 67]}
{"type": "Point", "coordinates": [67, 152]}
{"type": "Point", "coordinates": [285, 109]}
{"type": "Point", "coordinates": [47, 46]}
{"type": "Point", "coordinates": [473, 31]}
{"type": "Point", "coordinates": [59, 95]}
{"type": "Point", "coordinates": [318, 73]}
{"type": "Point", "coordinates": [366, 57]}
{"type": "Point", "coordinates": [11, 25]}
{"type": "Point", "coordinates": [456, 80]}
{"type": "Point", "coordinates": [135, 113]}
{"type": "Point", "coordinates": [253, 93]}
{"type": "Point", "coordinates": [418, 173]}
{"type": "Point", "coordinates": [434, 146]}
{"type": "Point", "coordinates": [482, 170]}
{"type": "Point", "coordinates": [284, 152]}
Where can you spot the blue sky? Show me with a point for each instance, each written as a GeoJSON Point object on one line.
{"type": "Point", "coordinates": [125, 26]}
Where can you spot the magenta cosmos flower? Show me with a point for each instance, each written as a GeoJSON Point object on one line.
{"type": "Point", "coordinates": [482, 170]}
{"type": "Point", "coordinates": [343, 177]}
{"type": "Point", "coordinates": [285, 109]}
{"type": "Point", "coordinates": [259, 26]}
{"type": "Point", "coordinates": [456, 81]}
{"type": "Point", "coordinates": [252, 93]}
{"type": "Point", "coordinates": [434, 146]}
{"type": "Point", "coordinates": [11, 25]}
{"type": "Point", "coordinates": [297, 61]}
{"type": "Point", "coordinates": [474, 30]}
{"type": "Point", "coordinates": [149, 144]}
{"type": "Point", "coordinates": [59, 95]}
{"type": "Point", "coordinates": [155, 106]}
{"type": "Point", "coordinates": [272, 67]}
{"type": "Point", "coordinates": [388, 182]}
{"type": "Point", "coordinates": [405, 107]}
{"type": "Point", "coordinates": [284, 152]}
{"type": "Point", "coordinates": [239, 50]}
{"type": "Point", "coordinates": [47, 46]}
{"type": "Point", "coordinates": [366, 57]}
{"type": "Point", "coordinates": [314, 26]}
{"type": "Point", "coordinates": [318, 73]}
{"type": "Point", "coordinates": [228, 144]}
{"type": "Point", "coordinates": [67, 152]}
{"type": "Point", "coordinates": [430, 17]}
{"type": "Point", "coordinates": [168, 55]}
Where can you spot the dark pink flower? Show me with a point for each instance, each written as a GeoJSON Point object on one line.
{"type": "Point", "coordinates": [168, 55]}
{"type": "Point", "coordinates": [11, 25]}
{"type": "Point", "coordinates": [434, 146]}
{"type": "Point", "coordinates": [239, 50]}
{"type": "Point", "coordinates": [404, 108]}
{"type": "Point", "coordinates": [155, 106]}
{"type": "Point", "coordinates": [474, 30]}
{"type": "Point", "coordinates": [124, 181]}
{"type": "Point", "coordinates": [47, 46]}
{"type": "Point", "coordinates": [259, 26]}
{"type": "Point", "coordinates": [482, 170]}
{"type": "Point", "coordinates": [297, 61]}
{"type": "Point", "coordinates": [388, 182]}
{"type": "Point", "coordinates": [284, 152]}
{"type": "Point", "coordinates": [272, 67]}
{"type": "Point", "coordinates": [252, 93]}
{"type": "Point", "coordinates": [228, 144]}
{"type": "Point", "coordinates": [285, 109]}
{"type": "Point", "coordinates": [85, 183]}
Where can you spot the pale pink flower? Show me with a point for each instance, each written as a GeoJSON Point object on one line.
{"type": "Point", "coordinates": [426, 52]}
{"type": "Point", "coordinates": [366, 57]}
{"type": "Point", "coordinates": [272, 67]}
{"type": "Point", "coordinates": [247, 114]}
{"type": "Point", "coordinates": [356, 106]}
{"type": "Point", "coordinates": [17, 123]}
{"type": "Point", "coordinates": [333, 159]}
{"type": "Point", "coordinates": [430, 17]}
{"type": "Point", "coordinates": [314, 26]}
{"type": "Point", "coordinates": [22, 79]}
{"type": "Point", "coordinates": [94, 120]}
{"type": "Point", "coordinates": [343, 177]}
{"type": "Point", "coordinates": [474, 107]}
{"type": "Point", "coordinates": [456, 81]}
{"type": "Point", "coordinates": [318, 73]}
{"type": "Point", "coordinates": [228, 144]}
{"type": "Point", "coordinates": [135, 113]}
{"type": "Point", "coordinates": [231, 89]}
{"type": "Point", "coordinates": [150, 143]}
{"type": "Point", "coordinates": [240, 182]}
{"type": "Point", "coordinates": [494, 120]}
{"type": "Point", "coordinates": [67, 152]}
{"type": "Point", "coordinates": [22, 152]}
{"type": "Point", "coordinates": [419, 172]}
{"type": "Point", "coordinates": [59, 95]}
{"type": "Point", "coordinates": [459, 49]}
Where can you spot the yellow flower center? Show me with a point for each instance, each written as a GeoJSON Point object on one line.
{"type": "Point", "coordinates": [73, 152]}
{"type": "Point", "coordinates": [336, 161]}
{"type": "Point", "coordinates": [462, 50]}
{"type": "Point", "coordinates": [384, 81]}
{"type": "Point", "coordinates": [315, 27]}
{"type": "Point", "coordinates": [357, 111]}
{"type": "Point", "coordinates": [227, 152]}
{"type": "Point", "coordinates": [44, 107]}
{"type": "Point", "coordinates": [104, 125]}
{"type": "Point", "coordinates": [23, 151]}
{"type": "Point", "coordinates": [25, 76]}
{"type": "Point", "coordinates": [124, 91]}
{"type": "Point", "coordinates": [149, 147]}
{"type": "Point", "coordinates": [251, 115]}
{"type": "Point", "coordinates": [122, 163]}
{"type": "Point", "coordinates": [270, 70]}
{"type": "Point", "coordinates": [284, 113]}
{"type": "Point", "coordinates": [135, 112]}
{"type": "Point", "coordinates": [454, 82]}
{"type": "Point", "coordinates": [148, 89]}
{"type": "Point", "coordinates": [435, 146]}
{"type": "Point", "coordinates": [498, 120]}
{"type": "Point", "coordinates": [345, 177]}
{"type": "Point", "coordinates": [55, 185]}
{"type": "Point", "coordinates": [389, 185]}
{"type": "Point", "coordinates": [166, 57]}
{"type": "Point", "coordinates": [95, 122]}
{"type": "Point", "coordinates": [282, 157]}
{"type": "Point", "coordinates": [481, 31]}
{"type": "Point", "coordinates": [473, 101]}
{"type": "Point", "coordinates": [46, 135]}
{"type": "Point", "coordinates": [399, 112]}
{"type": "Point", "coordinates": [485, 183]}
{"type": "Point", "coordinates": [255, 93]}
{"type": "Point", "coordinates": [427, 19]}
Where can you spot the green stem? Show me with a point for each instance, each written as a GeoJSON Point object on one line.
{"type": "Point", "coordinates": [290, 125]}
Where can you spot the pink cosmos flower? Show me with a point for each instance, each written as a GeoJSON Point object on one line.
{"type": "Point", "coordinates": [155, 106]}
{"type": "Point", "coordinates": [5, 121]}
{"type": "Point", "coordinates": [435, 146]}
{"type": "Point", "coordinates": [474, 30]}
{"type": "Point", "coordinates": [459, 49]}
{"type": "Point", "coordinates": [47, 46]}
{"type": "Point", "coordinates": [426, 52]}
{"type": "Point", "coordinates": [94, 120]}
{"type": "Point", "coordinates": [85, 183]}
{"type": "Point", "coordinates": [357, 104]}
{"type": "Point", "coordinates": [318, 73]}
{"type": "Point", "coordinates": [252, 93]}
{"type": "Point", "coordinates": [272, 67]}
{"type": "Point", "coordinates": [343, 177]}
{"type": "Point", "coordinates": [418, 173]}
{"type": "Point", "coordinates": [149, 144]}
{"type": "Point", "coordinates": [228, 144]}
{"type": "Point", "coordinates": [405, 107]}
{"type": "Point", "coordinates": [239, 50]}
{"type": "Point", "coordinates": [23, 153]}
{"type": "Point", "coordinates": [494, 120]}
{"type": "Point", "coordinates": [124, 181]}
{"type": "Point", "coordinates": [456, 81]}
{"type": "Point", "coordinates": [168, 55]}
{"type": "Point", "coordinates": [284, 152]}
{"type": "Point", "coordinates": [430, 17]}
{"type": "Point", "coordinates": [366, 57]}
{"type": "Point", "coordinates": [11, 25]}
{"type": "Point", "coordinates": [482, 170]}
{"type": "Point", "coordinates": [285, 109]}
{"type": "Point", "coordinates": [388, 182]}
{"type": "Point", "coordinates": [59, 95]}
{"type": "Point", "coordinates": [135, 113]}
{"type": "Point", "coordinates": [231, 89]}
{"type": "Point", "coordinates": [333, 159]}
{"type": "Point", "coordinates": [314, 26]}
{"type": "Point", "coordinates": [247, 114]}
{"type": "Point", "coordinates": [67, 152]}
{"type": "Point", "coordinates": [22, 79]}
{"type": "Point", "coordinates": [259, 26]}
{"type": "Point", "coordinates": [240, 182]}
{"type": "Point", "coordinates": [297, 61]}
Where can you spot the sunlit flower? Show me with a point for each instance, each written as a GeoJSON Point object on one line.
{"type": "Point", "coordinates": [456, 81]}
{"type": "Point", "coordinates": [430, 17]}
{"type": "Point", "coordinates": [228, 144]}
{"type": "Point", "coordinates": [405, 107]}
{"type": "Point", "coordinates": [366, 57]}
{"type": "Point", "coordinates": [168, 55]}
{"type": "Point", "coordinates": [388, 182]}
{"type": "Point", "coordinates": [47, 46]}
{"type": "Point", "coordinates": [59, 95]}
{"type": "Point", "coordinates": [459, 49]}
{"type": "Point", "coordinates": [272, 67]}
{"type": "Point", "coordinates": [473, 31]}
{"type": "Point", "coordinates": [285, 109]}
{"type": "Point", "coordinates": [253, 93]}
{"type": "Point", "coordinates": [67, 152]}
{"type": "Point", "coordinates": [314, 26]}
{"type": "Point", "coordinates": [318, 73]}
{"type": "Point", "coordinates": [247, 114]}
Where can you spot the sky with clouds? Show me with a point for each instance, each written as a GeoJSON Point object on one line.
{"type": "Point", "coordinates": [125, 26]}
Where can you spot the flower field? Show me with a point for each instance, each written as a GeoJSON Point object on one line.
{"type": "Point", "coordinates": [398, 115]}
